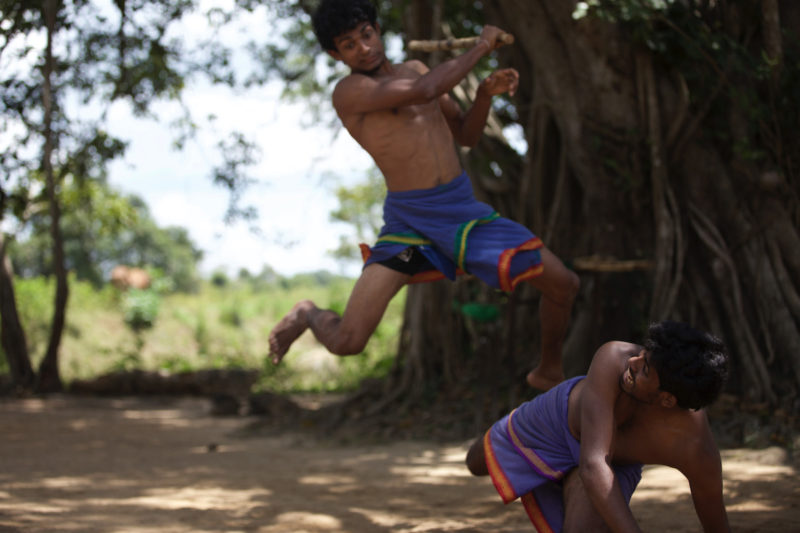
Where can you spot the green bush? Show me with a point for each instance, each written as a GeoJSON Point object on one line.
{"type": "Point", "coordinates": [219, 278]}
{"type": "Point", "coordinates": [140, 307]}
{"type": "Point", "coordinates": [215, 327]}
{"type": "Point", "coordinates": [35, 306]}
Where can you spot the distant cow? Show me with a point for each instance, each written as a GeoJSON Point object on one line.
{"type": "Point", "coordinates": [125, 277]}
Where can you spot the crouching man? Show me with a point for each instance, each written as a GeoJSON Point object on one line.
{"type": "Point", "coordinates": [574, 455]}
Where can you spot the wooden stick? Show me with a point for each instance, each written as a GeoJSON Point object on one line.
{"type": "Point", "coordinates": [595, 263]}
{"type": "Point", "coordinates": [453, 44]}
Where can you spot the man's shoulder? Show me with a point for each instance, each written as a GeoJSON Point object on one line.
{"type": "Point", "coordinates": [350, 80]}
{"type": "Point", "coordinates": [618, 345]}
{"type": "Point", "coordinates": [617, 350]}
{"type": "Point", "coordinates": [608, 364]}
{"type": "Point", "coordinates": [355, 81]}
{"type": "Point", "coordinates": [416, 65]}
{"type": "Point", "coordinates": [348, 89]}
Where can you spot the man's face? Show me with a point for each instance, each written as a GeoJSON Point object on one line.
{"type": "Point", "coordinates": [640, 380]}
{"type": "Point", "coordinates": [361, 48]}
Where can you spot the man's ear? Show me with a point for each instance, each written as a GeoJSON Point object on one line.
{"type": "Point", "coordinates": [668, 399]}
{"type": "Point", "coordinates": [334, 54]}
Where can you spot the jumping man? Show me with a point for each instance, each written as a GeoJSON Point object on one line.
{"type": "Point", "coordinates": [434, 227]}
{"type": "Point", "coordinates": [575, 453]}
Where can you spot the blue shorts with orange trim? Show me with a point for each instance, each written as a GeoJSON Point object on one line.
{"type": "Point", "coordinates": [530, 450]}
{"type": "Point", "coordinates": [456, 233]}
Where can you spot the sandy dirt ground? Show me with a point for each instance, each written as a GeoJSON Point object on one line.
{"type": "Point", "coordinates": [88, 464]}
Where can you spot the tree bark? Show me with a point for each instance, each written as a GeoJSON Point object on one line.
{"type": "Point", "coordinates": [723, 238]}
{"type": "Point", "coordinates": [773, 43]}
{"type": "Point", "coordinates": [12, 335]}
{"type": "Point", "coordinates": [49, 376]}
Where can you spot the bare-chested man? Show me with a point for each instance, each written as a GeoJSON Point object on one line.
{"type": "Point", "coordinates": [574, 454]}
{"type": "Point", "coordinates": [402, 115]}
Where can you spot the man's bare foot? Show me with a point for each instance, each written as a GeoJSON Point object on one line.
{"type": "Point", "coordinates": [542, 380]}
{"type": "Point", "coordinates": [288, 329]}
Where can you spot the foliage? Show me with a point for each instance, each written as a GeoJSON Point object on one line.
{"type": "Point", "coordinates": [238, 153]}
{"type": "Point", "coordinates": [292, 59]}
{"type": "Point", "coordinates": [62, 65]}
{"type": "Point", "coordinates": [34, 302]}
{"type": "Point", "coordinates": [360, 206]}
{"type": "Point", "coordinates": [318, 278]}
{"type": "Point", "coordinates": [102, 56]}
{"type": "Point", "coordinates": [140, 308]}
{"type": "Point", "coordinates": [103, 229]}
{"type": "Point", "coordinates": [721, 70]}
{"type": "Point", "coordinates": [294, 56]}
{"type": "Point", "coordinates": [219, 278]}
{"type": "Point", "coordinates": [267, 277]}
{"type": "Point", "coordinates": [215, 327]}
{"type": "Point", "coordinates": [35, 305]}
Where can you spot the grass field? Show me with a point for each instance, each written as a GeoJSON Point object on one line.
{"type": "Point", "coordinates": [218, 327]}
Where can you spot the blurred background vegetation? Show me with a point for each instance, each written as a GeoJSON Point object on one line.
{"type": "Point", "coordinates": [222, 323]}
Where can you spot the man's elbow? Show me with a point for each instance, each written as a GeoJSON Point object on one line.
{"type": "Point", "coordinates": [591, 473]}
{"type": "Point", "coordinates": [423, 92]}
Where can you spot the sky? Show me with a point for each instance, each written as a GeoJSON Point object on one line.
{"type": "Point", "coordinates": [298, 170]}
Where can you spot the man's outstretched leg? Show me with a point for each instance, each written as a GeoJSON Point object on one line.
{"type": "Point", "coordinates": [559, 287]}
{"type": "Point", "coordinates": [346, 334]}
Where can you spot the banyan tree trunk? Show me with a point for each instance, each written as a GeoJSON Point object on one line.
{"type": "Point", "coordinates": [621, 169]}
{"type": "Point", "coordinates": [720, 228]}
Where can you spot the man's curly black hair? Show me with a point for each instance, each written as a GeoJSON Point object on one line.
{"type": "Point", "coordinates": [691, 365]}
{"type": "Point", "coordinates": [335, 17]}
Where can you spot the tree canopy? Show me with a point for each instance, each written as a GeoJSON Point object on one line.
{"type": "Point", "coordinates": [59, 59]}
{"type": "Point", "coordinates": [103, 229]}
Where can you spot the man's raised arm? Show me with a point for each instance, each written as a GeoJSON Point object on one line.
{"type": "Point", "coordinates": [363, 94]}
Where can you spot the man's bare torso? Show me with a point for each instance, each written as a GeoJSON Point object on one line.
{"type": "Point", "coordinates": [647, 434]}
{"type": "Point", "coordinates": [412, 145]}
